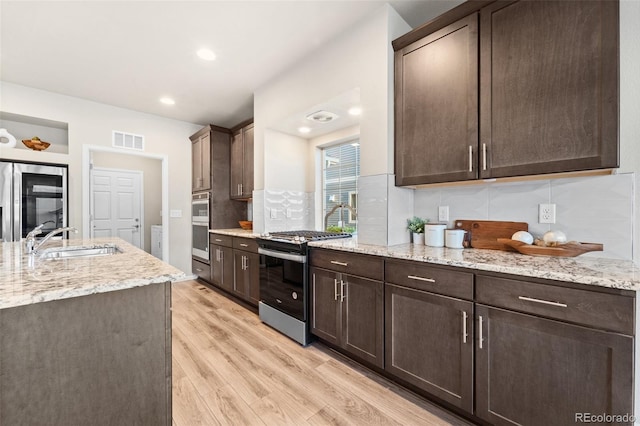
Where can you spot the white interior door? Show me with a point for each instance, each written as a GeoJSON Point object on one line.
{"type": "Point", "coordinates": [116, 205]}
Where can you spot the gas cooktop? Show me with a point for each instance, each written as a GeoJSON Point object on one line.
{"type": "Point", "coordinates": [303, 236]}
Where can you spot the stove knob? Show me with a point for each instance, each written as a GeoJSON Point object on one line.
{"type": "Point", "coordinates": [296, 239]}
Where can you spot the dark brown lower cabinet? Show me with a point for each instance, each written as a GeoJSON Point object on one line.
{"type": "Point", "coordinates": [348, 312]}
{"type": "Point", "coordinates": [222, 266]}
{"type": "Point", "coordinates": [535, 371]}
{"type": "Point", "coordinates": [429, 343]}
{"type": "Point", "coordinates": [246, 284]}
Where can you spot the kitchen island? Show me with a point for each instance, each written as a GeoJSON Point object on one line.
{"type": "Point", "coordinates": [85, 340]}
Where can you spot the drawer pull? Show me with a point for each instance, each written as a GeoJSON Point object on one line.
{"type": "Point", "coordinates": [480, 338]}
{"type": "Point", "coordinates": [415, 277]}
{"type": "Point", "coordinates": [218, 240]}
{"type": "Point", "coordinates": [244, 245]}
{"type": "Point", "coordinates": [464, 327]}
{"type": "Point", "coordinates": [544, 302]}
{"type": "Point", "coordinates": [335, 262]}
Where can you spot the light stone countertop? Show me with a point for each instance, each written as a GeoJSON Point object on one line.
{"type": "Point", "coordinates": [234, 232]}
{"type": "Point", "coordinates": [25, 282]}
{"type": "Point", "coordinates": [618, 274]}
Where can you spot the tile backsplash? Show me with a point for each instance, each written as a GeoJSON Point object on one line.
{"type": "Point", "coordinates": [596, 209]}
{"type": "Point", "coordinates": [283, 210]}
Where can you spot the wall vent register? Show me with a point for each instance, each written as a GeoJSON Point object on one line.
{"type": "Point", "coordinates": [128, 140]}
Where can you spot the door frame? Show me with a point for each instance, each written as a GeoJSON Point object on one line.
{"type": "Point", "coordinates": [139, 173]}
{"type": "Point", "coordinates": [86, 190]}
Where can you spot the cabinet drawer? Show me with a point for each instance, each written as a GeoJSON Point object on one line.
{"type": "Point", "coordinates": [221, 240]}
{"type": "Point", "coordinates": [600, 310]}
{"type": "Point", "coordinates": [349, 263]}
{"type": "Point", "coordinates": [429, 278]}
{"type": "Point", "coordinates": [246, 244]}
{"type": "Point", "coordinates": [202, 270]}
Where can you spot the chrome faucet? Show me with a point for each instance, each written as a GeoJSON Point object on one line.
{"type": "Point", "coordinates": [31, 245]}
{"type": "Point", "coordinates": [336, 207]}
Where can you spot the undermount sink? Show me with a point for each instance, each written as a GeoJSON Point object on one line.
{"type": "Point", "coordinates": [80, 251]}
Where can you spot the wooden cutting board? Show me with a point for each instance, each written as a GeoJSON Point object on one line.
{"type": "Point", "coordinates": [485, 233]}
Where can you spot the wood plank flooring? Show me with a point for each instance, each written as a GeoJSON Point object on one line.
{"type": "Point", "coordinates": [230, 369]}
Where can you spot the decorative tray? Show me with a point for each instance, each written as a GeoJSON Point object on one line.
{"type": "Point", "coordinates": [36, 144]}
{"type": "Point", "coordinates": [570, 249]}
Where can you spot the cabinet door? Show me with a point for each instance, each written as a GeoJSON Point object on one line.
{"type": "Point", "coordinates": [325, 312]}
{"type": "Point", "coordinates": [236, 164]}
{"type": "Point", "coordinates": [437, 106]}
{"type": "Point", "coordinates": [534, 371]}
{"type": "Point", "coordinates": [429, 343]}
{"type": "Point", "coordinates": [240, 285]}
{"type": "Point", "coordinates": [247, 162]}
{"type": "Point", "coordinates": [222, 266]}
{"type": "Point", "coordinates": [363, 318]}
{"type": "Point", "coordinates": [196, 165]}
{"type": "Point", "coordinates": [205, 155]}
{"type": "Point", "coordinates": [549, 86]}
{"type": "Point", "coordinates": [252, 273]}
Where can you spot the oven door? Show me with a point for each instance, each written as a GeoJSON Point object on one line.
{"type": "Point", "coordinates": [283, 282]}
{"type": "Point", "coordinates": [200, 245]}
{"type": "Point", "coordinates": [200, 208]}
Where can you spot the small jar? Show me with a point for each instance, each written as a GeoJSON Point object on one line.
{"type": "Point", "coordinates": [454, 238]}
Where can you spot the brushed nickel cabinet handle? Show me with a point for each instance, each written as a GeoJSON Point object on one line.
{"type": "Point", "coordinates": [464, 327]}
{"type": "Point", "coordinates": [480, 338]}
{"type": "Point", "coordinates": [335, 262]}
{"type": "Point", "coordinates": [335, 289]}
{"type": "Point", "coordinates": [218, 240]}
{"type": "Point", "coordinates": [241, 189]}
{"type": "Point", "coordinates": [244, 245]}
{"type": "Point", "coordinates": [198, 270]}
{"type": "Point", "coordinates": [470, 158]}
{"type": "Point", "coordinates": [415, 277]}
{"type": "Point", "coordinates": [484, 156]}
{"type": "Point", "coordinates": [342, 296]}
{"type": "Point", "coordinates": [544, 302]}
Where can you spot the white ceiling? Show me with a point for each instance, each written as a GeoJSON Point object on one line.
{"type": "Point", "coordinates": [131, 53]}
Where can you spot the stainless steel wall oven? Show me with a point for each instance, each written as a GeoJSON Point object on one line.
{"type": "Point", "coordinates": [200, 226]}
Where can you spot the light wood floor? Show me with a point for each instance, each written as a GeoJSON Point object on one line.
{"type": "Point", "coordinates": [230, 369]}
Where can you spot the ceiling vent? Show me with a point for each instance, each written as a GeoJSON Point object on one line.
{"type": "Point", "coordinates": [322, 116]}
{"type": "Point", "coordinates": [128, 140]}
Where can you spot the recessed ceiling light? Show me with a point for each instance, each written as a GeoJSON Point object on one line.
{"type": "Point", "coordinates": [304, 129]}
{"type": "Point", "coordinates": [355, 111]}
{"type": "Point", "coordinates": [167, 101]}
{"type": "Point", "coordinates": [206, 54]}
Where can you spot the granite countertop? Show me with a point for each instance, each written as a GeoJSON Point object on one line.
{"type": "Point", "coordinates": [234, 232]}
{"type": "Point", "coordinates": [25, 280]}
{"type": "Point", "coordinates": [618, 274]}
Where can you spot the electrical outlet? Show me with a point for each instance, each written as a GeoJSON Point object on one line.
{"type": "Point", "coordinates": [443, 213]}
{"type": "Point", "coordinates": [547, 213]}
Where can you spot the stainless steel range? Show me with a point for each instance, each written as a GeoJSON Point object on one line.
{"type": "Point", "coordinates": [284, 288]}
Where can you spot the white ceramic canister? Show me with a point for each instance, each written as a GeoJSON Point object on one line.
{"type": "Point", "coordinates": [454, 238]}
{"type": "Point", "coordinates": [434, 234]}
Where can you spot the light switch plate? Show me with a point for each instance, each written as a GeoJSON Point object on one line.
{"type": "Point", "coordinates": [175, 213]}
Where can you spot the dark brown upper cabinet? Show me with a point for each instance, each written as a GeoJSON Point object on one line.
{"type": "Point", "coordinates": [201, 161]}
{"type": "Point", "coordinates": [549, 87]}
{"type": "Point", "coordinates": [546, 102]}
{"type": "Point", "coordinates": [437, 106]}
{"type": "Point", "coordinates": [242, 162]}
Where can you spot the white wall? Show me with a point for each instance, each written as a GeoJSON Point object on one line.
{"type": "Point", "coordinates": [92, 123]}
{"type": "Point", "coordinates": [361, 58]}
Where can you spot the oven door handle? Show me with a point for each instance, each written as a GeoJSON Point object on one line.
{"type": "Point", "coordinates": [205, 224]}
{"type": "Point", "coordinates": [299, 258]}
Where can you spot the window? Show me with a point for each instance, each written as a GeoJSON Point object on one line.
{"type": "Point", "coordinates": [340, 171]}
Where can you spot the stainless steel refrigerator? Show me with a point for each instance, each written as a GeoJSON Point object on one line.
{"type": "Point", "coordinates": [30, 195]}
